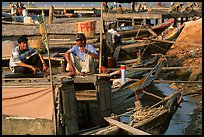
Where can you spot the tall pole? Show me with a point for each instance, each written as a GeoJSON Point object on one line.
{"type": "Point", "coordinates": [45, 39]}
{"type": "Point", "coordinates": [50, 21]}
{"type": "Point", "coordinates": [101, 31]}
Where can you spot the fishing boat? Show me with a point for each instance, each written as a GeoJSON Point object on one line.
{"type": "Point", "coordinates": [143, 50]}
{"type": "Point", "coordinates": [125, 94]}
{"type": "Point", "coordinates": [145, 53]}
{"type": "Point", "coordinates": [153, 118]}
{"type": "Point", "coordinates": [145, 31]}
{"type": "Point", "coordinates": [150, 116]}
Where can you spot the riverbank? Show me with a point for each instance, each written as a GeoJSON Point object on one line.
{"type": "Point", "coordinates": [189, 55]}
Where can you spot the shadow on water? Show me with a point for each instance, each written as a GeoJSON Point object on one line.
{"type": "Point", "coordinates": [181, 117]}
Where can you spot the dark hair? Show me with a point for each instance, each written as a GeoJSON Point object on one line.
{"type": "Point", "coordinates": [23, 39]}
{"type": "Point", "coordinates": [81, 36]}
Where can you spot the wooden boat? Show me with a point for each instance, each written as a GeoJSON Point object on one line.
{"type": "Point", "coordinates": [124, 94]}
{"type": "Point", "coordinates": [145, 31]}
{"type": "Point", "coordinates": [151, 117]}
{"type": "Point", "coordinates": [145, 48]}
{"type": "Point", "coordinates": [145, 53]}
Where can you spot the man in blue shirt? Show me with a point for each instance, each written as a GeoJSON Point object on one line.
{"type": "Point", "coordinates": [25, 59]}
{"type": "Point", "coordinates": [80, 58]}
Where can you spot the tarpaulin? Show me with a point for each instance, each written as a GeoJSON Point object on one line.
{"type": "Point", "coordinates": [28, 102]}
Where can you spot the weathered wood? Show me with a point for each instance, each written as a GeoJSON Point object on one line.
{"type": "Point", "coordinates": [136, 45]}
{"type": "Point", "coordinates": [129, 61]}
{"type": "Point", "coordinates": [104, 97]}
{"type": "Point", "coordinates": [151, 31]}
{"type": "Point", "coordinates": [164, 68]}
{"type": "Point", "coordinates": [88, 131]}
{"type": "Point", "coordinates": [175, 42]}
{"type": "Point", "coordinates": [85, 11]}
{"type": "Point", "coordinates": [126, 127]}
{"type": "Point", "coordinates": [51, 11]}
{"type": "Point", "coordinates": [87, 93]}
{"type": "Point", "coordinates": [46, 42]}
{"type": "Point", "coordinates": [172, 81]}
{"type": "Point", "coordinates": [110, 130]}
{"type": "Point", "coordinates": [79, 98]}
{"type": "Point", "coordinates": [68, 42]}
{"type": "Point", "coordinates": [19, 23]}
{"type": "Point", "coordinates": [176, 81]}
{"type": "Point", "coordinates": [101, 31]}
{"type": "Point", "coordinates": [69, 107]}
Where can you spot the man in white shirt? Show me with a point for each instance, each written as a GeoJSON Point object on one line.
{"type": "Point", "coordinates": [80, 58]}
{"type": "Point", "coordinates": [24, 12]}
{"type": "Point", "coordinates": [115, 38]}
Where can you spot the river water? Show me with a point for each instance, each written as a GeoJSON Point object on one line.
{"type": "Point", "coordinates": [86, 4]}
{"type": "Point", "coordinates": [181, 117]}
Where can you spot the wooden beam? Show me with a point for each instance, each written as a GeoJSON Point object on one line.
{"type": "Point", "coordinates": [101, 31]}
{"type": "Point", "coordinates": [126, 127]}
{"type": "Point", "coordinates": [151, 31]}
{"type": "Point", "coordinates": [164, 68]}
{"type": "Point", "coordinates": [174, 42]}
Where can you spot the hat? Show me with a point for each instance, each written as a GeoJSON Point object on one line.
{"type": "Point", "coordinates": [80, 36]}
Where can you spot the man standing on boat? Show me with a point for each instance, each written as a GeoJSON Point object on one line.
{"type": "Point", "coordinates": [13, 10]}
{"type": "Point", "coordinates": [80, 58]}
{"type": "Point", "coordinates": [25, 59]}
{"type": "Point", "coordinates": [113, 38]}
{"type": "Point", "coordinates": [119, 10]}
{"type": "Point", "coordinates": [24, 12]}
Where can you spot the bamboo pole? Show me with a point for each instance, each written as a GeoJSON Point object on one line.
{"type": "Point", "coordinates": [101, 31]}
{"type": "Point", "coordinates": [164, 68]}
{"type": "Point", "coordinates": [51, 80]}
{"type": "Point", "coordinates": [171, 81]}
{"type": "Point", "coordinates": [51, 10]}
{"type": "Point", "coordinates": [168, 41]}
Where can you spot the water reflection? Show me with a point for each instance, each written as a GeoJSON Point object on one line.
{"type": "Point", "coordinates": [181, 118]}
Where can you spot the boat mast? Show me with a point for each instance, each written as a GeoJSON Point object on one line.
{"type": "Point", "coordinates": [101, 31]}
{"type": "Point", "coordinates": [45, 41]}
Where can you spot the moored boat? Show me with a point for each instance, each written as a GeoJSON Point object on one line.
{"type": "Point", "coordinates": [150, 116]}
{"type": "Point", "coordinates": [145, 31]}
{"type": "Point", "coordinates": [153, 118]}
{"type": "Point", "coordinates": [143, 50]}
{"type": "Point", "coordinates": [124, 94]}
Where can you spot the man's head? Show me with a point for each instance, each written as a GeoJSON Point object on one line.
{"type": "Point", "coordinates": [23, 42]}
{"type": "Point", "coordinates": [80, 39]}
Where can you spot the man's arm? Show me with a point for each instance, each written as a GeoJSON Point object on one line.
{"type": "Point", "coordinates": [43, 61]}
{"type": "Point", "coordinates": [93, 55]}
{"type": "Point", "coordinates": [92, 52]}
{"type": "Point", "coordinates": [22, 64]}
{"type": "Point", "coordinates": [67, 57]}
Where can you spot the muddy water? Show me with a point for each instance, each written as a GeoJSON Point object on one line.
{"type": "Point", "coordinates": [181, 118]}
